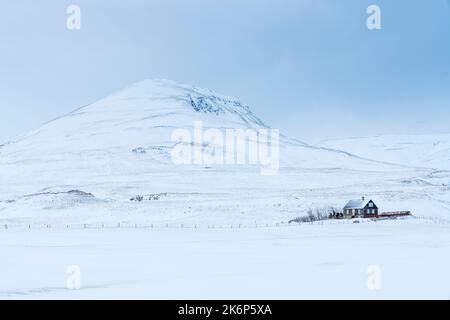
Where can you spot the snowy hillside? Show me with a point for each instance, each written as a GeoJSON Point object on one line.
{"type": "Point", "coordinates": [92, 165]}
{"type": "Point", "coordinates": [431, 151]}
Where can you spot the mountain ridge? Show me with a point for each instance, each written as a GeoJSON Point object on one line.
{"type": "Point", "coordinates": [148, 93]}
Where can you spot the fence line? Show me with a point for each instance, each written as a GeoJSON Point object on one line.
{"type": "Point", "coordinates": [125, 225]}
{"type": "Point", "coordinates": [121, 225]}
{"type": "Point", "coordinates": [433, 220]}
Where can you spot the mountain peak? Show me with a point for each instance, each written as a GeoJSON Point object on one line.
{"type": "Point", "coordinates": [144, 113]}
{"type": "Point", "coordinates": [185, 99]}
{"type": "Point", "coordinates": [157, 87]}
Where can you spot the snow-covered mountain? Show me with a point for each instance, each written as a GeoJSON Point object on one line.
{"type": "Point", "coordinates": [95, 162]}
{"type": "Point", "coordinates": [140, 115]}
{"type": "Point", "coordinates": [141, 118]}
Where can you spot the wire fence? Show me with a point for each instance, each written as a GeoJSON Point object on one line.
{"type": "Point", "coordinates": [127, 225]}
{"type": "Point", "coordinates": [255, 225]}
{"type": "Point", "coordinates": [433, 220]}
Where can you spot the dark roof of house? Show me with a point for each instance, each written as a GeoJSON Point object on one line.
{"type": "Point", "coordinates": [357, 204]}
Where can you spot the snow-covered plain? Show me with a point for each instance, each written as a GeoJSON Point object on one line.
{"type": "Point", "coordinates": [410, 259]}
{"type": "Point", "coordinates": [87, 166]}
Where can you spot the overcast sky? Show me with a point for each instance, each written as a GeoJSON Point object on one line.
{"type": "Point", "coordinates": [308, 67]}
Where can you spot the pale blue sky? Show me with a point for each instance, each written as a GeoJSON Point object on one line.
{"type": "Point", "coordinates": [308, 67]}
